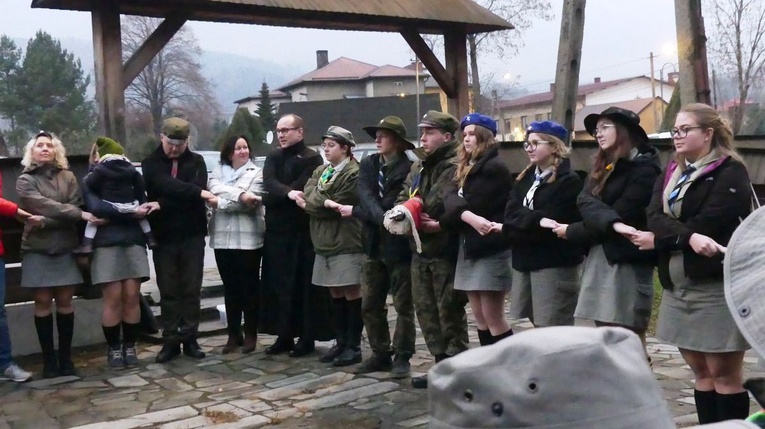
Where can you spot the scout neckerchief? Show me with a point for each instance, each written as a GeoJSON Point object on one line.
{"type": "Point", "coordinates": [539, 178]}
{"type": "Point", "coordinates": [329, 174]}
{"type": "Point", "coordinates": [681, 180]}
{"type": "Point", "coordinates": [414, 190]}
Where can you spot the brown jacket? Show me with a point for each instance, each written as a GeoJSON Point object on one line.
{"type": "Point", "coordinates": [52, 192]}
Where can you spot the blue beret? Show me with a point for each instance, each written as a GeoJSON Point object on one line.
{"type": "Point", "coordinates": [548, 127]}
{"type": "Point", "coordinates": [479, 120]}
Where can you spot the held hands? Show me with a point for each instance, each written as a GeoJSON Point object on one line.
{"type": "Point", "coordinates": [560, 230]}
{"type": "Point", "coordinates": [548, 223]}
{"type": "Point", "coordinates": [209, 198]}
{"type": "Point", "coordinates": [35, 221]}
{"type": "Point", "coordinates": [705, 246]}
{"type": "Point", "coordinates": [429, 225]}
{"type": "Point", "coordinates": [644, 240]}
{"type": "Point", "coordinates": [89, 217]}
{"type": "Point", "coordinates": [297, 197]}
{"type": "Point", "coordinates": [496, 227]}
{"type": "Point", "coordinates": [479, 223]}
{"type": "Point", "coordinates": [624, 229]}
{"type": "Point", "coordinates": [151, 207]}
{"type": "Point", "coordinates": [250, 199]}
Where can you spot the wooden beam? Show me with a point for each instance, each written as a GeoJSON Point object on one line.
{"type": "Point", "coordinates": [107, 50]}
{"type": "Point", "coordinates": [569, 60]}
{"type": "Point", "coordinates": [431, 62]}
{"type": "Point", "coordinates": [692, 52]}
{"type": "Point", "coordinates": [455, 46]}
{"type": "Point", "coordinates": [150, 48]}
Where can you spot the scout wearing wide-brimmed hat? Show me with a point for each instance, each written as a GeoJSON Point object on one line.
{"type": "Point", "coordinates": [395, 125]}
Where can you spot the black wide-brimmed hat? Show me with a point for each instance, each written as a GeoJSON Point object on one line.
{"type": "Point", "coordinates": [627, 118]}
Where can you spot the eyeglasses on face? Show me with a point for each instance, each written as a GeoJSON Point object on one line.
{"type": "Point", "coordinates": [285, 130]}
{"type": "Point", "coordinates": [532, 144]}
{"type": "Point", "coordinates": [602, 129]}
{"type": "Point", "coordinates": [678, 133]}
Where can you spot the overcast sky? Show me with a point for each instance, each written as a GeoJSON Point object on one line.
{"type": "Point", "coordinates": [619, 35]}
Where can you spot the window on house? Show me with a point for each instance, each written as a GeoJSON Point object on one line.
{"type": "Point", "coordinates": [508, 125]}
{"type": "Point", "coordinates": [538, 117]}
{"type": "Point", "coordinates": [399, 84]}
{"type": "Point", "coordinates": [524, 122]}
{"type": "Point", "coordinates": [549, 116]}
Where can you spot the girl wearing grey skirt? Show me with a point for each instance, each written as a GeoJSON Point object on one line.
{"type": "Point", "coordinates": [476, 200]}
{"type": "Point", "coordinates": [545, 268]}
{"type": "Point", "coordinates": [704, 193]}
{"type": "Point", "coordinates": [329, 197]}
{"type": "Point", "coordinates": [617, 280]}
{"type": "Point", "coordinates": [48, 188]}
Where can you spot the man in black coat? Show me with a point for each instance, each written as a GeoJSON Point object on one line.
{"type": "Point", "coordinates": [387, 268]}
{"type": "Point", "coordinates": [290, 306]}
{"type": "Point", "coordinates": [176, 179]}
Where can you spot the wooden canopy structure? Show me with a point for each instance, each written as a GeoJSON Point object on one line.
{"type": "Point", "coordinates": [454, 19]}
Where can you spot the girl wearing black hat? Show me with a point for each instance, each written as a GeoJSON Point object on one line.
{"type": "Point", "coordinates": [617, 281]}
{"type": "Point", "coordinates": [477, 199]}
{"type": "Point", "coordinates": [704, 194]}
{"type": "Point", "coordinates": [337, 242]}
{"type": "Point", "coordinates": [545, 268]}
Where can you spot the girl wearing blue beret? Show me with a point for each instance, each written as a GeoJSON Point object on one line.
{"type": "Point", "coordinates": [476, 200]}
{"type": "Point", "coordinates": [545, 268]}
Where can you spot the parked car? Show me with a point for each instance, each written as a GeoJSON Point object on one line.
{"type": "Point", "coordinates": [212, 158]}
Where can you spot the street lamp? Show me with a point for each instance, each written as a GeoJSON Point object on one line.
{"type": "Point", "coordinates": [417, 84]}
{"type": "Point", "coordinates": [661, 85]}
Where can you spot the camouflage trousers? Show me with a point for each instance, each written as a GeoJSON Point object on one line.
{"type": "Point", "coordinates": [440, 309]}
{"type": "Point", "coordinates": [378, 279]}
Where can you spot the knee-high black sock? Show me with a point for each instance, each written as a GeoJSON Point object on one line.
{"type": "Point", "coordinates": [355, 323]}
{"type": "Point", "coordinates": [65, 325]}
{"type": "Point", "coordinates": [706, 405]}
{"type": "Point", "coordinates": [502, 336]}
{"type": "Point", "coordinates": [734, 406]}
{"type": "Point", "coordinates": [340, 311]}
{"type": "Point", "coordinates": [484, 337]}
{"type": "Point", "coordinates": [44, 326]}
{"type": "Point", "coordinates": [130, 332]}
{"type": "Point", "coordinates": [112, 335]}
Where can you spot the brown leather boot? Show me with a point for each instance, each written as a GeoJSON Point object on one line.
{"type": "Point", "coordinates": [250, 343]}
{"type": "Point", "coordinates": [233, 342]}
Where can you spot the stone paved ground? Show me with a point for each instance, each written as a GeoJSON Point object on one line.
{"type": "Point", "coordinates": [255, 390]}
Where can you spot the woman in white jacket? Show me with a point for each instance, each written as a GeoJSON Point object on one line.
{"type": "Point", "coordinates": [236, 234]}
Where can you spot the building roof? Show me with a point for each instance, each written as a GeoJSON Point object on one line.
{"type": "Point", "coordinates": [637, 105]}
{"type": "Point", "coordinates": [272, 94]}
{"type": "Point", "coordinates": [547, 97]}
{"type": "Point", "coordinates": [356, 113]}
{"type": "Point", "coordinates": [391, 15]}
{"type": "Point", "coordinates": [348, 69]}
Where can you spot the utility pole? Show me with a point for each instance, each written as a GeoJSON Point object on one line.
{"type": "Point", "coordinates": [692, 52]}
{"type": "Point", "coordinates": [569, 61]}
{"type": "Point", "coordinates": [653, 97]}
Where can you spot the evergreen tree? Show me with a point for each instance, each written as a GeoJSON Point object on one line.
{"type": "Point", "coordinates": [266, 109]}
{"type": "Point", "coordinates": [245, 124]}
{"type": "Point", "coordinates": [10, 56]}
{"type": "Point", "coordinates": [52, 94]}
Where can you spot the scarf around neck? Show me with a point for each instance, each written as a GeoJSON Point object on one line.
{"type": "Point", "coordinates": [698, 168]}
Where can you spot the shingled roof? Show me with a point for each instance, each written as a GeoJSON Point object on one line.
{"type": "Point", "coordinates": [424, 16]}
{"type": "Point", "coordinates": [348, 69]}
{"type": "Point", "coordinates": [547, 97]}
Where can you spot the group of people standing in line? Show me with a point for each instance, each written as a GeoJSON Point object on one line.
{"type": "Point", "coordinates": [569, 248]}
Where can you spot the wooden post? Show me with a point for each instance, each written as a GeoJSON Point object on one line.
{"type": "Point", "coordinates": [150, 48]}
{"type": "Point", "coordinates": [107, 47]}
{"type": "Point", "coordinates": [569, 60]}
{"type": "Point", "coordinates": [692, 52]}
{"type": "Point", "coordinates": [455, 46]}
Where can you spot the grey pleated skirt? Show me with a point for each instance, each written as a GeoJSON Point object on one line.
{"type": "Point", "coordinates": [338, 270]}
{"type": "Point", "coordinates": [114, 263]}
{"type": "Point", "coordinates": [490, 273]}
{"type": "Point", "coordinates": [547, 297]}
{"type": "Point", "coordinates": [694, 315]}
{"type": "Point", "coordinates": [620, 294]}
{"type": "Point", "coordinates": [41, 270]}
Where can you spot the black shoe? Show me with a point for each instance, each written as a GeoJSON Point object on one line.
{"type": "Point", "coordinates": [168, 353]}
{"type": "Point", "coordinates": [191, 349]}
{"type": "Point", "coordinates": [349, 356]}
{"type": "Point", "coordinates": [280, 346]}
{"type": "Point", "coordinates": [332, 353]}
{"type": "Point", "coordinates": [401, 367]}
{"type": "Point", "coordinates": [50, 369]}
{"type": "Point", "coordinates": [66, 368]}
{"type": "Point", "coordinates": [420, 382]}
{"type": "Point", "coordinates": [303, 348]}
{"type": "Point", "coordinates": [375, 363]}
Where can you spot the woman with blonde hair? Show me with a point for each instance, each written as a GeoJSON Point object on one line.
{"type": "Point", "coordinates": [617, 280]}
{"type": "Point", "coordinates": [48, 188]}
{"type": "Point", "coordinates": [704, 194]}
{"type": "Point", "coordinates": [477, 199]}
{"type": "Point", "coordinates": [545, 268]}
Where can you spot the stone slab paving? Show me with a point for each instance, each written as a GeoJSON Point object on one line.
{"type": "Point", "coordinates": [255, 390]}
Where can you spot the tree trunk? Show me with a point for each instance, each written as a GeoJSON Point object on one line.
{"type": "Point", "coordinates": [475, 79]}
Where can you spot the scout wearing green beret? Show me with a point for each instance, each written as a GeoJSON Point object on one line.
{"type": "Point", "coordinates": [440, 309]}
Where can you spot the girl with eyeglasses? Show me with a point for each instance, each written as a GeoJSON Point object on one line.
{"type": "Point", "coordinates": [545, 268]}
{"type": "Point", "coordinates": [703, 195]}
{"type": "Point", "coordinates": [617, 280]}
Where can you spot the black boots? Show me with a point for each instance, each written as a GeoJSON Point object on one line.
{"type": "Point", "coordinates": [352, 352]}
{"type": "Point", "coordinates": [281, 345]}
{"type": "Point", "coordinates": [44, 327]}
{"type": "Point", "coordinates": [421, 382]}
{"type": "Point", "coordinates": [339, 309]}
{"type": "Point", "coordinates": [170, 350]}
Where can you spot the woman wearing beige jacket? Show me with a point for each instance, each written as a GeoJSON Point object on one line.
{"type": "Point", "coordinates": [47, 188]}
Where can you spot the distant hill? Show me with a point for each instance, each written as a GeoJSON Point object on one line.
{"type": "Point", "coordinates": [233, 76]}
